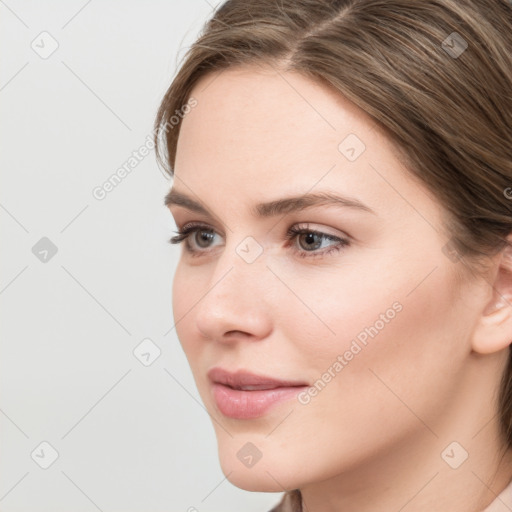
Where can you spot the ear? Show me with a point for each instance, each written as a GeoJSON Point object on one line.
{"type": "Point", "coordinates": [493, 331]}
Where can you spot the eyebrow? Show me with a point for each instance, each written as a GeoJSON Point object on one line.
{"type": "Point", "coordinates": [276, 207]}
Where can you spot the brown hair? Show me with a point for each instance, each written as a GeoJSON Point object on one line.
{"type": "Point", "coordinates": [435, 75]}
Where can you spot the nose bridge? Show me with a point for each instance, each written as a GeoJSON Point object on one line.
{"type": "Point", "coordinates": [235, 299]}
{"type": "Point", "coordinates": [239, 270]}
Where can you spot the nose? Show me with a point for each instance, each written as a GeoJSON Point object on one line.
{"type": "Point", "coordinates": [235, 303]}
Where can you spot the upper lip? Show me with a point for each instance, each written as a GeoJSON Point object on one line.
{"type": "Point", "coordinates": [243, 378]}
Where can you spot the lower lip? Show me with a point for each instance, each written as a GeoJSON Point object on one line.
{"type": "Point", "coordinates": [235, 403]}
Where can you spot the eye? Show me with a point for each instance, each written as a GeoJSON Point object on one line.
{"type": "Point", "coordinates": [310, 238]}
{"type": "Point", "coordinates": [189, 232]}
{"type": "Point", "coordinates": [313, 237]}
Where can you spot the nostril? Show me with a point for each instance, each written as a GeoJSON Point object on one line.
{"type": "Point", "coordinates": [236, 332]}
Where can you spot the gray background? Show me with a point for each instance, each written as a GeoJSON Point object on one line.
{"type": "Point", "coordinates": [129, 437]}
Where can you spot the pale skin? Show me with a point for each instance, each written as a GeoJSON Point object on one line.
{"type": "Point", "coordinates": [373, 438]}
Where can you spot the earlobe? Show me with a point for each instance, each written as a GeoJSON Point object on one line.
{"type": "Point", "coordinates": [493, 331]}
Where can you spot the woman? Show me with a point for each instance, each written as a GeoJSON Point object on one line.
{"type": "Point", "coordinates": [343, 188]}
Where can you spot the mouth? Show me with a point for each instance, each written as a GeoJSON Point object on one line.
{"type": "Point", "coordinates": [248, 381]}
{"type": "Point", "coordinates": [253, 388]}
{"type": "Point", "coordinates": [245, 395]}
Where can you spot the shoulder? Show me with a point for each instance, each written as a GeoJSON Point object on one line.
{"type": "Point", "coordinates": [290, 502]}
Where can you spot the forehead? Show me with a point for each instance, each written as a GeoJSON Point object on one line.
{"type": "Point", "coordinates": [257, 131]}
{"type": "Point", "coordinates": [251, 105]}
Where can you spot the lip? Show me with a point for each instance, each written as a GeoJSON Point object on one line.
{"type": "Point", "coordinates": [244, 378]}
{"type": "Point", "coordinates": [234, 402]}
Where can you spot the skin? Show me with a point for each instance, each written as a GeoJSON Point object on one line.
{"type": "Point", "coordinates": [373, 437]}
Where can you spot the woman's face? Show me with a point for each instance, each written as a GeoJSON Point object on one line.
{"type": "Point", "coordinates": [368, 314]}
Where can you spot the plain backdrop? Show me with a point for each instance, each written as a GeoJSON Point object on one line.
{"type": "Point", "coordinates": [91, 419]}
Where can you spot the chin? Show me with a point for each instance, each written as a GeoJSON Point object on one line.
{"type": "Point", "coordinates": [255, 480]}
{"type": "Point", "coordinates": [261, 476]}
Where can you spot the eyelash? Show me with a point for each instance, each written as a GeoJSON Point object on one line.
{"type": "Point", "coordinates": [184, 233]}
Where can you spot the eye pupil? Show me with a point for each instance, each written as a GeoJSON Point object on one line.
{"type": "Point", "coordinates": [205, 236]}
{"type": "Point", "coordinates": [311, 238]}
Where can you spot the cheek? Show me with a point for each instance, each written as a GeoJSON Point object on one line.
{"type": "Point", "coordinates": [396, 319]}
{"type": "Point", "coordinates": [393, 345]}
{"type": "Point", "coordinates": [333, 311]}
{"type": "Point", "coordinates": [184, 296]}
